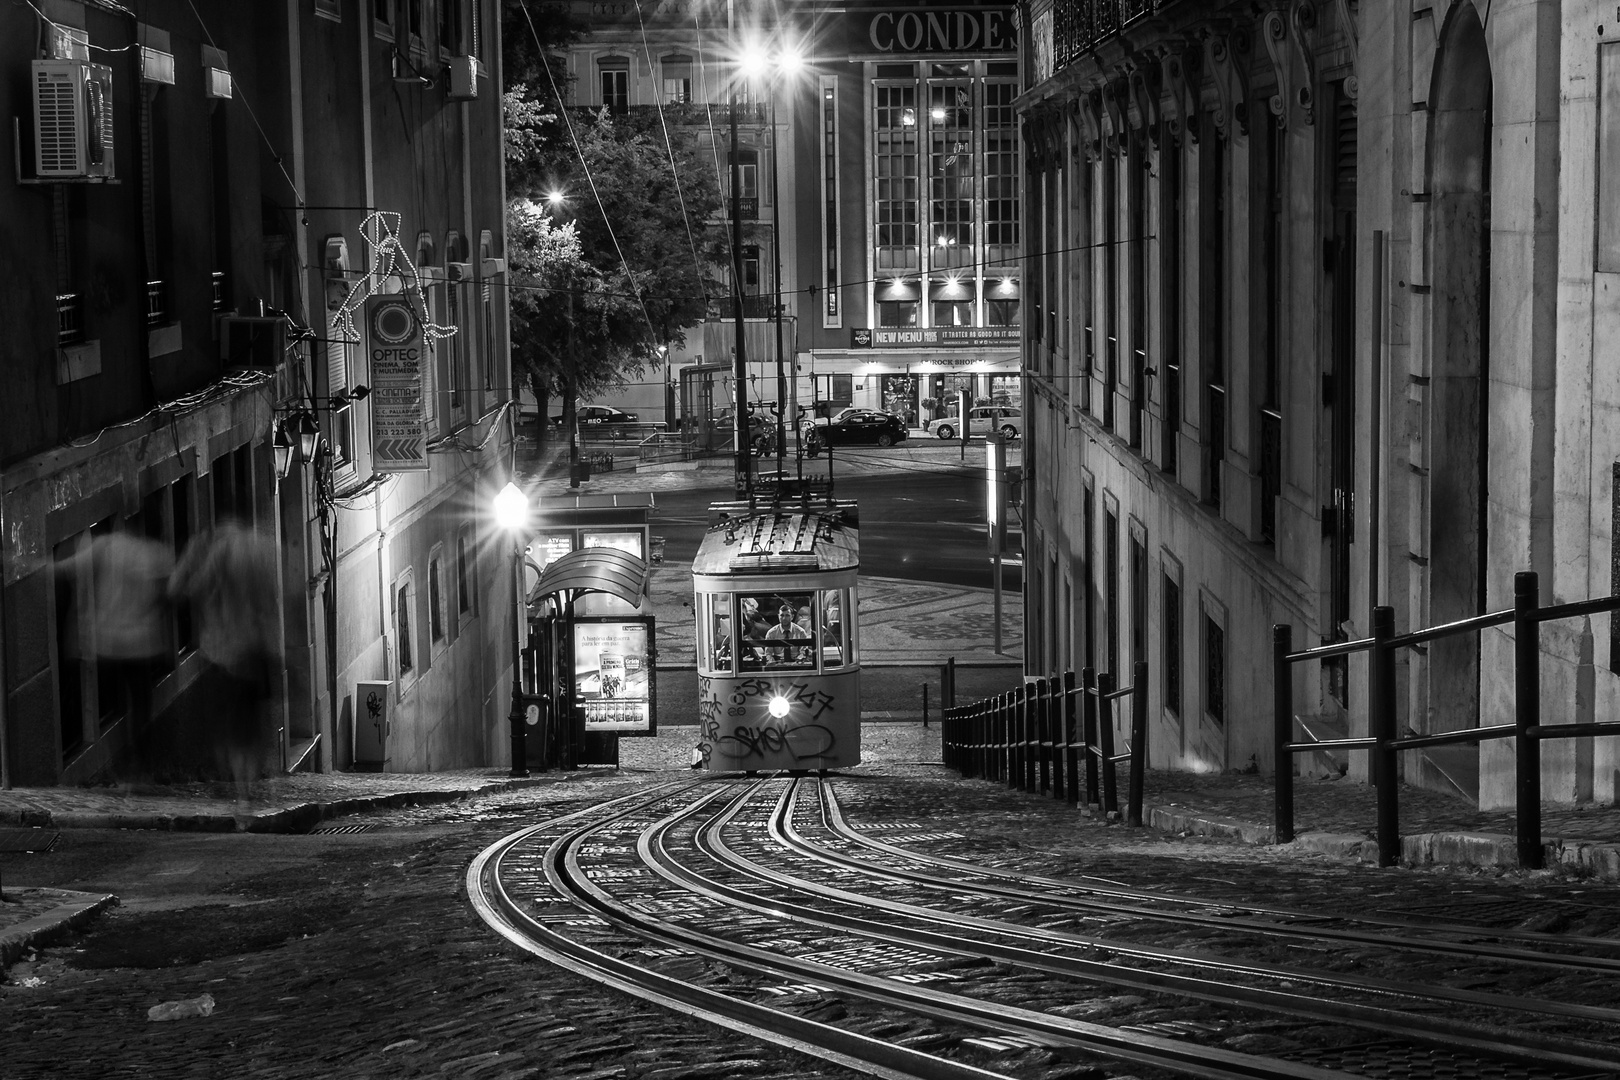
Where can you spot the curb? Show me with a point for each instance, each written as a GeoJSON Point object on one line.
{"type": "Point", "coordinates": [41, 930]}
{"type": "Point", "coordinates": [299, 818]}
{"type": "Point", "coordinates": [1493, 851]}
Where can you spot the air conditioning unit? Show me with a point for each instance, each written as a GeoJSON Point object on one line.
{"type": "Point", "coordinates": [73, 120]}
{"type": "Point", "coordinates": [459, 271]}
{"type": "Point", "coordinates": [216, 84]}
{"type": "Point", "coordinates": [462, 77]}
{"type": "Point", "coordinates": [252, 342]}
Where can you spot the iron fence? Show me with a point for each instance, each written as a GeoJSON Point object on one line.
{"type": "Point", "coordinates": [1526, 731]}
{"type": "Point", "coordinates": [1038, 737]}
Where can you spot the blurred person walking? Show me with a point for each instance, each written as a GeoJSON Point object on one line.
{"type": "Point", "coordinates": [127, 578]}
{"type": "Point", "coordinates": [228, 576]}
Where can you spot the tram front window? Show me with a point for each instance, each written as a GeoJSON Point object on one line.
{"type": "Point", "coordinates": [776, 632]}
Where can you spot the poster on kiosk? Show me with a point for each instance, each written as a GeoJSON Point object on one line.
{"type": "Point", "coordinates": [614, 681]}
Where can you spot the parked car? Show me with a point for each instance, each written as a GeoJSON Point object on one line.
{"type": "Point", "coordinates": [590, 415]}
{"type": "Point", "coordinates": [982, 420]}
{"type": "Point", "coordinates": [855, 425]}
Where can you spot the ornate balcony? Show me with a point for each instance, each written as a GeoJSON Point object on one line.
{"type": "Point", "coordinates": [1080, 25]}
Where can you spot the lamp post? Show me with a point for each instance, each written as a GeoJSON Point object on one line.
{"type": "Point", "coordinates": [786, 62]}
{"type": "Point", "coordinates": [739, 362]}
{"type": "Point", "coordinates": [512, 514]}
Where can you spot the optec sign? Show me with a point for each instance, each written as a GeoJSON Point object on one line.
{"type": "Point", "coordinates": [393, 340]}
{"type": "Point", "coordinates": [923, 31]}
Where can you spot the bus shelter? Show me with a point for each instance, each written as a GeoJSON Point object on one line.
{"type": "Point", "coordinates": [590, 656]}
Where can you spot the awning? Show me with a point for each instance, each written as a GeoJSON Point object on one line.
{"type": "Point", "coordinates": [900, 289]}
{"type": "Point", "coordinates": [598, 569]}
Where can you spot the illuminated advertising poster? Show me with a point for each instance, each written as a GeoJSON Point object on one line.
{"type": "Point", "coordinates": [627, 542]}
{"type": "Point", "coordinates": [613, 674]}
{"type": "Point", "coordinates": [547, 548]}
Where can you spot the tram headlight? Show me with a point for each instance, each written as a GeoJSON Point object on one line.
{"type": "Point", "coordinates": [779, 706]}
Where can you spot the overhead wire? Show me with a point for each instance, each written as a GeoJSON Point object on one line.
{"type": "Point", "coordinates": [669, 146]}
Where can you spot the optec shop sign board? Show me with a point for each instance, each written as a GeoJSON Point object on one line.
{"type": "Point", "coordinates": [613, 674]}
{"type": "Point", "coordinates": [393, 340]}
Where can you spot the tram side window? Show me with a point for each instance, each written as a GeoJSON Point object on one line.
{"type": "Point", "coordinates": [775, 631]}
{"type": "Point", "coordinates": [834, 632]}
{"type": "Point", "coordinates": [716, 617]}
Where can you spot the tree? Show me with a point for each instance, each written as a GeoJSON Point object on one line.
{"type": "Point", "coordinates": [598, 295]}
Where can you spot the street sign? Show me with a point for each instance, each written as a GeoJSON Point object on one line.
{"type": "Point", "coordinates": [393, 340]}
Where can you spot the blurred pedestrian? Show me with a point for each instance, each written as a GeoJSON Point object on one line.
{"type": "Point", "coordinates": [228, 575]}
{"type": "Point", "coordinates": [127, 578]}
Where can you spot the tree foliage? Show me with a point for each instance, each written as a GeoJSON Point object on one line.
{"type": "Point", "coordinates": [617, 272]}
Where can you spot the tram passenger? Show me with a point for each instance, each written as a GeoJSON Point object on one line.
{"type": "Point", "coordinates": [787, 628]}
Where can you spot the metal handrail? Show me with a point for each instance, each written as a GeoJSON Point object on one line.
{"type": "Point", "coordinates": [1034, 736]}
{"type": "Point", "coordinates": [1384, 745]}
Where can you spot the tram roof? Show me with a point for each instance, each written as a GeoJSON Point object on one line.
{"type": "Point", "coordinates": [779, 542]}
{"type": "Point", "coordinates": [599, 569]}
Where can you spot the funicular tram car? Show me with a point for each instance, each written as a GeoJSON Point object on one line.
{"type": "Point", "coordinates": [777, 641]}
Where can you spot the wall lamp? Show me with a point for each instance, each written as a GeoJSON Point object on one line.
{"type": "Point", "coordinates": [298, 433]}
{"type": "Point", "coordinates": [298, 437]}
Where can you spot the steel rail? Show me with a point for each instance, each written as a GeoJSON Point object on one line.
{"type": "Point", "coordinates": [833, 814]}
{"type": "Point", "coordinates": [845, 1048]}
{"type": "Point", "coordinates": [1212, 1063]}
{"type": "Point", "coordinates": [1533, 1047]}
{"type": "Point", "coordinates": [1526, 957]}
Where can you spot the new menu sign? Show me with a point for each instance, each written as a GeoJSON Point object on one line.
{"type": "Point", "coordinates": [393, 340]}
{"type": "Point", "coordinates": [865, 337]}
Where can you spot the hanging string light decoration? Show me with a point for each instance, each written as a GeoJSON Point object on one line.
{"type": "Point", "coordinates": [389, 260]}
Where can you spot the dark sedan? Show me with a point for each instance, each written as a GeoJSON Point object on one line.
{"type": "Point", "coordinates": [591, 415]}
{"type": "Point", "coordinates": [855, 426]}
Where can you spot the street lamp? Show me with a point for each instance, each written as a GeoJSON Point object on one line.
{"type": "Point", "coordinates": [785, 63]}
{"type": "Point", "coordinates": [512, 514]}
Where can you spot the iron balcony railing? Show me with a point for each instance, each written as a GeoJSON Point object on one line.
{"type": "Point", "coordinates": [698, 113]}
{"type": "Point", "coordinates": [1079, 25]}
{"type": "Point", "coordinates": [157, 302]}
{"type": "Point", "coordinates": [69, 318]}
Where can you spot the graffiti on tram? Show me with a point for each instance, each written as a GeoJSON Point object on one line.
{"type": "Point", "coordinates": [736, 725]}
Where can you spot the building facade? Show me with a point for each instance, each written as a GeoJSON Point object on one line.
{"type": "Point", "coordinates": [879, 190]}
{"type": "Point", "coordinates": [212, 192]}
{"type": "Point", "coordinates": [1322, 331]}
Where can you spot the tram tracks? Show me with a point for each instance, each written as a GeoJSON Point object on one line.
{"type": "Point", "coordinates": [717, 885]}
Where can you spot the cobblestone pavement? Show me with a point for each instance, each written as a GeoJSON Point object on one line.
{"type": "Point", "coordinates": [357, 954]}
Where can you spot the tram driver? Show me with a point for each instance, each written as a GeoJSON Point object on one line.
{"type": "Point", "coordinates": [787, 628]}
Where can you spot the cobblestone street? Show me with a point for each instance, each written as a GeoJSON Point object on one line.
{"type": "Point", "coordinates": [357, 954]}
